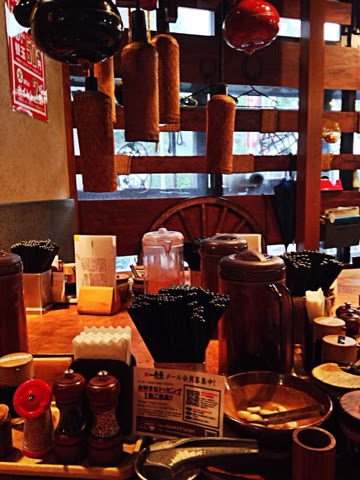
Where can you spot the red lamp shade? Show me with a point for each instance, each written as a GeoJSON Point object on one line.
{"type": "Point", "coordinates": [32, 398]}
{"type": "Point", "coordinates": [250, 25]}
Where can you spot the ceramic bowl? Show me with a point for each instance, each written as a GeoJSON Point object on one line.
{"type": "Point", "coordinates": [271, 390]}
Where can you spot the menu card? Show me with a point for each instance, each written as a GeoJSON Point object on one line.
{"type": "Point", "coordinates": [177, 403]}
{"type": "Point", "coordinates": [95, 260]}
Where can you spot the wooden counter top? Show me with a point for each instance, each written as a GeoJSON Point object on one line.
{"type": "Point", "coordinates": [52, 332]}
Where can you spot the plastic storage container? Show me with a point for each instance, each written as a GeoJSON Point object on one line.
{"type": "Point", "coordinates": [163, 256]}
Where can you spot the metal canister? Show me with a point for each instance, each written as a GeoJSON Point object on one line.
{"type": "Point", "coordinates": [15, 368]}
{"type": "Point", "coordinates": [212, 250]}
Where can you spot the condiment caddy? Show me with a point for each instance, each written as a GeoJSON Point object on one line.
{"type": "Point", "coordinates": [61, 423]}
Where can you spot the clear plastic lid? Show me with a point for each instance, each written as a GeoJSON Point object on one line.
{"type": "Point", "coordinates": [162, 237]}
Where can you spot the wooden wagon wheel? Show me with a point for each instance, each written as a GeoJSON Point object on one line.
{"type": "Point", "coordinates": [203, 217]}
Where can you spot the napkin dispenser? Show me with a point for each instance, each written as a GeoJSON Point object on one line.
{"type": "Point", "coordinates": [37, 292]}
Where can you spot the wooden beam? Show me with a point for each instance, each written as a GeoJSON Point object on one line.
{"type": "Point", "coordinates": [274, 66]}
{"type": "Point", "coordinates": [311, 93]}
{"type": "Point", "coordinates": [197, 164]}
{"type": "Point", "coordinates": [336, 12]}
{"type": "Point", "coordinates": [249, 120]}
{"type": "Point", "coordinates": [201, 4]}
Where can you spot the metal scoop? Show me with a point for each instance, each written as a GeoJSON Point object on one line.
{"type": "Point", "coordinates": [180, 458]}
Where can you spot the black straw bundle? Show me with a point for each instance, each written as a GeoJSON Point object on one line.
{"type": "Point", "coordinates": [36, 255]}
{"type": "Point", "coordinates": [177, 323]}
{"type": "Point", "coordinates": [310, 270]}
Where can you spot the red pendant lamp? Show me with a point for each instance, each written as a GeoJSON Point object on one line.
{"type": "Point", "coordinates": [251, 25]}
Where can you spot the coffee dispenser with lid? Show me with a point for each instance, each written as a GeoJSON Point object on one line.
{"type": "Point", "coordinates": [211, 252]}
{"type": "Point", "coordinates": [13, 330]}
{"type": "Point", "coordinates": [255, 332]}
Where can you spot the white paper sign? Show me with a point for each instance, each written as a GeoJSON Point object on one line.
{"type": "Point", "coordinates": [95, 259]}
{"type": "Point", "coordinates": [177, 403]}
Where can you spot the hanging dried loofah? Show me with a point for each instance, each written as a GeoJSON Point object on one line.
{"type": "Point", "coordinates": [169, 70]}
{"type": "Point", "coordinates": [140, 90]}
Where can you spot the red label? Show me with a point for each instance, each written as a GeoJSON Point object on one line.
{"type": "Point", "coordinates": [26, 68]}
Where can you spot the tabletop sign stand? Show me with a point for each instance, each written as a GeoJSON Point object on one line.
{"type": "Point", "coordinates": [98, 301]}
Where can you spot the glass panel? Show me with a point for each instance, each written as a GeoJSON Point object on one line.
{"type": "Point", "coordinates": [292, 28]}
{"type": "Point", "coordinates": [189, 21]}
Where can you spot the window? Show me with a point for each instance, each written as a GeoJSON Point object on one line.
{"type": "Point", "coordinates": [193, 143]}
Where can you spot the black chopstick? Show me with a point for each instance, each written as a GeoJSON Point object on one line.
{"type": "Point", "coordinates": [177, 323]}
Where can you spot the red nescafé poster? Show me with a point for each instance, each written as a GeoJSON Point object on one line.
{"type": "Point", "coordinates": [26, 69]}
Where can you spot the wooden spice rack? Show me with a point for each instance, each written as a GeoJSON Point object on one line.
{"type": "Point", "coordinates": [18, 464]}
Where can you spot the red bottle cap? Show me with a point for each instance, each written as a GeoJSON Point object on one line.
{"type": "Point", "coordinates": [32, 398]}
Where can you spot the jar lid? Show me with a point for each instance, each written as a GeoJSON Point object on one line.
{"type": "Point", "coordinates": [252, 266]}
{"type": "Point", "coordinates": [349, 405]}
{"type": "Point", "coordinates": [10, 263]}
{"type": "Point", "coordinates": [223, 244]}
{"type": "Point", "coordinates": [344, 343]}
{"type": "Point", "coordinates": [329, 321]}
{"type": "Point", "coordinates": [32, 398]}
{"type": "Point", "coordinates": [162, 237]}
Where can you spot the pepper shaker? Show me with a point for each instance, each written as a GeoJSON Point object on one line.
{"type": "Point", "coordinates": [32, 401]}
{"type": "Point", "coordinates": [104, 443]}
{"type": "Point", "coordinates": [70, 439]}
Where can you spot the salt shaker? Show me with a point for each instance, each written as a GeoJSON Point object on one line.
{"type": "Point", "coordinates": [32, 401]}
{"type": "Point", "coordinates": [105, 442]}
{"type": "Point", "coordinates": [70, 439]}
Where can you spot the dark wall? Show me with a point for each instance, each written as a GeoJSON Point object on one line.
{"type": "Point", "coordinates": [41, 220]}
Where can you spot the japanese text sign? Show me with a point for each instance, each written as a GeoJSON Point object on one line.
{"type": "Point", "coordinates": [26, 68]}
{"type": "Point", "coordinates": [177, 403]}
